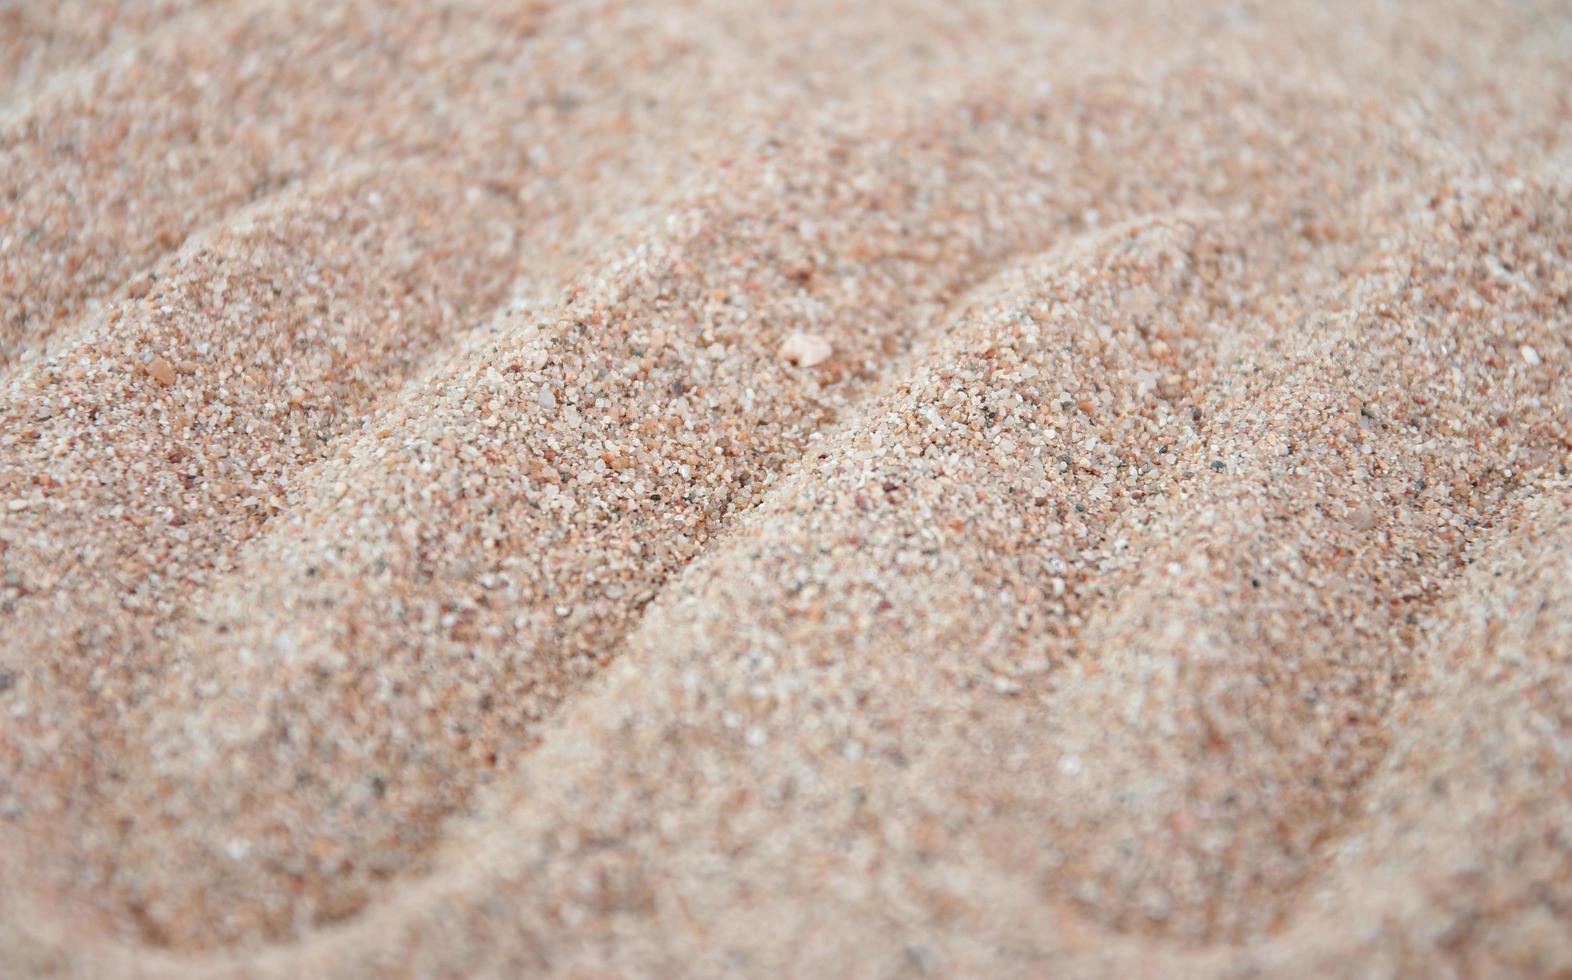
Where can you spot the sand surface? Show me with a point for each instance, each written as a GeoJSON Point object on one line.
{"type": "Point", "coordinates": [785, 489]}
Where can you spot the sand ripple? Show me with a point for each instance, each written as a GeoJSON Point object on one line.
{"type": "Point", "coordinates": [923, 488]}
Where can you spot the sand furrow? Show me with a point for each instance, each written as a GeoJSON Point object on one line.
{"type": "Point", "coordinates": [295, 321]}
{"type": "Point", "coordinates": [765, 638]}
{"type": "Point", "coordinates": [313, 341]}
{"type": "Point", "coordinates": [348, 648]}
{"type": "Point", "coordinates": [762, 662]}
{"type": "Point", "coordinates": [99, 180]}
{"type": "Point", "coordinates": [603, 461]}
{"type": "Point", "coordinates": [251, 352]}
{"type": "Point", "coordinates": [1484, 720]}
{"type": "Point", "coordinates": [1206, 675]}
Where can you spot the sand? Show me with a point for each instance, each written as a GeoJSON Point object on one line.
{"type": "Point", "coordinates": [812, 489]}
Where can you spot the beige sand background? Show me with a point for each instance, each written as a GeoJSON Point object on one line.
{"type": "Point", "coordinates": [811, 489]}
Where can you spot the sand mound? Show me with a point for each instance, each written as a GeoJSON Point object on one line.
{"type": "Point", "coordinates": [910, 488]}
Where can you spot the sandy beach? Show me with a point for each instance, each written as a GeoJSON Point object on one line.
{"type": "Point", "coordinates": [818, 489]}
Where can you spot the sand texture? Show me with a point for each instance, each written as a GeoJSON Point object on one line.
{"type": "Point", "coordinates": [821, 489]}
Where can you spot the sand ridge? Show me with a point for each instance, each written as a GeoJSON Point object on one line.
{"type": "Point", "coordinates": [582, 488]}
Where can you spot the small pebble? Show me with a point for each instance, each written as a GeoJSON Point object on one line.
{"type": "Point", "coordinates": [806, 349]}
{"type": "Point", "coordinates": [161, 371]}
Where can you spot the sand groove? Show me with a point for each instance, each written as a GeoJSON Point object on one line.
{"type": "Point", "coordinates": [100, 179]}
{"type": "Point", "coordinates": [1304, 717]}
{"type": "Point", "coordinates": [878, 492]}
{"type": "Point", "coordinates": [570, 523]}
{"type": "Point", "coordinates": [495, 598]}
